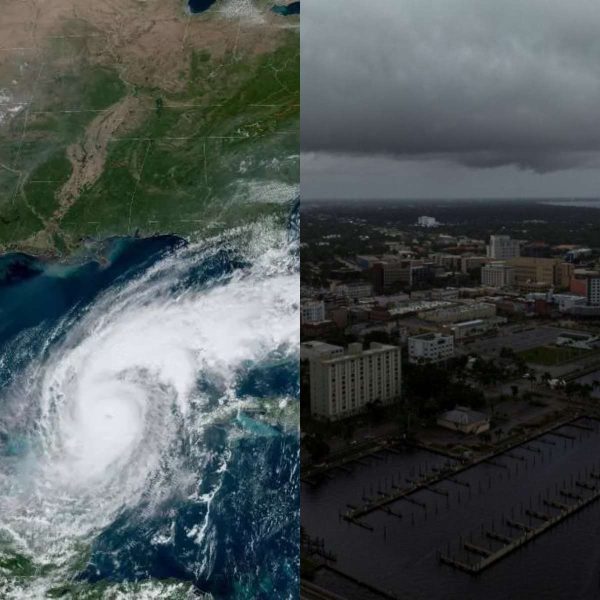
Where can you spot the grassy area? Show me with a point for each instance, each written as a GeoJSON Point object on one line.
{"type": "Point", "coordinates": [553, 355]}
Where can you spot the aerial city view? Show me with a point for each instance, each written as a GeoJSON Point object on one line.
{"type": "Point", "coordinates": [450, 302]}
{"type": "Point", "coordinates": [149, 283]}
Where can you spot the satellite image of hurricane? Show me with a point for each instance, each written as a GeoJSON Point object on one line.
{"type": "Point", "coordinates": [149, 300]}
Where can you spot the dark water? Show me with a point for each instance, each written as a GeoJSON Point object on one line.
{"type": "Point", "coordinates": [33, 291]}
{"type": "Point", "coordinates": [293, 8]}
{"type": "Point", "coordinates": [198, 6]}
{"type": "Point", "coordinates": [401, 555]}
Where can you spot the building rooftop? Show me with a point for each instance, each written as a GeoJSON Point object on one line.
{"type": "Point", "coordinates": [356, 349]}
{"type": "Point", "coordinates": [430, 336]}
{"type": "Point", "coordinates": [320, 346]}
{"type": "Point", "coordinates": [464, 416]}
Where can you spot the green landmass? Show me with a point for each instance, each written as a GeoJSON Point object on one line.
{"type": "Point", "coordinates": [219, 151]}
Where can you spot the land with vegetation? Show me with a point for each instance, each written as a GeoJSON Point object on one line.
{"type": "Point", "coordinates": [136, 117]}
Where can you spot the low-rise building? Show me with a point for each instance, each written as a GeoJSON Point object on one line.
{"type": "Point", "coordinates": [581, 340]}
{"type": "Point", "coordinates": [474, 328]}
{"type": "Point", "coordinates": [342, 385]}
{"type": "Point", "coordinates": [430, 348]}
{"type": "Point", "coordinates": [460, 312]}
{"type": "Point", "coordinates": [354, 289]}
{"type": "Point", "coordinates": [465, 420]}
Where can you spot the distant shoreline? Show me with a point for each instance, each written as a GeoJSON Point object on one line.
{"type": "Point", "coordinates": [555, 201]}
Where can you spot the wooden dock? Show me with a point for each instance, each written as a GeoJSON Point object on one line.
{"type": "Point", "coordinates": [527, 533]}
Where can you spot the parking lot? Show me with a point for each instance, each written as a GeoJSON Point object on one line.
{"type": "Point", "coordinates": [519, 339]}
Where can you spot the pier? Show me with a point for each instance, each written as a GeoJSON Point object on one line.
{"type": "Point", "coordinates": [449, 472]}
{"type": "Point", "coordinates": [526, 533]}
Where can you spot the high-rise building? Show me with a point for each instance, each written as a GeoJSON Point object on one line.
{"type": "Point", "coordinates": [498, 275]}
{"type": "Point", "coordinates": [430, 347]}
{"type": "Point", "coordinates": [342, 385]}
{"type": "Point", "coordinates": [427, 222]}
{"type": "Point", "coordinates": [503, 247]}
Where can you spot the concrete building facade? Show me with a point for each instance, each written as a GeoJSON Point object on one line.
{"type": "Point", "coordinates": [344, 384]}
{"type": "Point", "coordinates": [498, 275]}
{"type": "Point", "coordinates": [531, 273]}
{"type": "Point", "coordinates": [503, 247]}
{"type": "Point", "coordinates": [312, 311]}
{"type": "Point", "coordinates": [430, 348]}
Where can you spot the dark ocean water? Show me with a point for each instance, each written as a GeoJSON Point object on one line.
{"type": "Point", "coordinates": [198, 6]}
{"type": "Point", "coordinates": [148, 428]}
{"type": "Point", "coordinates": [401, 555]}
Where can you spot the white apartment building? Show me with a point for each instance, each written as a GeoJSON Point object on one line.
{"type": "Point", "coordinates": [430, 348]}
{"type": "Point", "coordinates": [312, 311]}
{"type": "Point", "coordinates": [427, 222]}
{"type": "Point", "coordinates": [344, 384]}
{"type": "Point", "coordinates": [498, 275]}
{"type": "Point", "coordinates": [503, 247]}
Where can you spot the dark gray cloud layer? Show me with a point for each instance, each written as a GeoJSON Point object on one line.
{"type": "Point", "coordinates": [479, 83]}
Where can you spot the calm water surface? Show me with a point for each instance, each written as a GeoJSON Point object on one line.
{"type": "Point", "coordinates": [401, 555]}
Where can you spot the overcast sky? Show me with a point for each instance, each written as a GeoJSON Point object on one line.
{"type": "Point", "coordinates": [450, 98]}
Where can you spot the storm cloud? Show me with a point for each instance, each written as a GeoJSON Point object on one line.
{"type": "Point", "coordinates": [481, 84]}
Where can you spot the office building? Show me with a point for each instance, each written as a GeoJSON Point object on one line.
{"type": "Point", "coordinates": [533, 274]}
{"type": "Point", "coordinates": [498, 275]}
{"type": "Point", "coordinates": [503, 247]}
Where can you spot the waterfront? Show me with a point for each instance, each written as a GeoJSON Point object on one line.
{"type": "Point", "coordinates": [400, 555]}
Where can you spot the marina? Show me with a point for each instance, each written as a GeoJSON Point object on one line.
{"type": "Point", "coordinates": [407, 521]}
